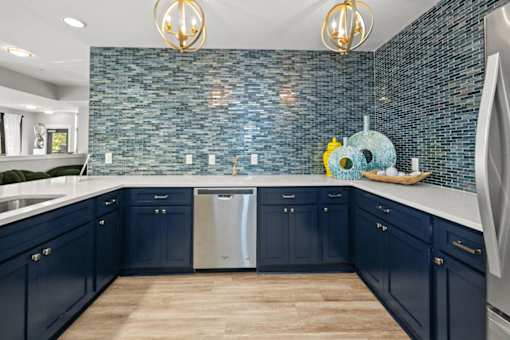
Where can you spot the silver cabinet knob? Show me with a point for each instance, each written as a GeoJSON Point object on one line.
{"type": "Point", "coordinates": [291, 210]}
{"type": "Point", "coordinates": [285, 210]}
{"type": "Point", "coordinates": [36, 257]}
{"type": "Point", "coordinates": [156, 211]}
{"type": "Point", "coordinates": [326, 210]}
{"type": "Point", "coordinates": [102, 222]}
{"type": "Point", "coordinates": [163, 211]}
{"type": "Point", "coordinates": [438, 261]}
{"type": "Point", "coordinates": [47, 251]}
{"type": "Point", "coordinates": [384, 228]}
{"type": "Point", "coordinates": [379, 226]}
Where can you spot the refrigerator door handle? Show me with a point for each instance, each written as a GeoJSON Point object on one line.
{"type": "Point", "coordinates": [493, 80]}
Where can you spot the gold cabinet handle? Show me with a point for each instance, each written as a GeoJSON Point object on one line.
{"type": "Point", "coordinates": [460, 245]}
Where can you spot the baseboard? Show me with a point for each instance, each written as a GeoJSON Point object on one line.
{"type": "Point", "coordinates": [321, 268]}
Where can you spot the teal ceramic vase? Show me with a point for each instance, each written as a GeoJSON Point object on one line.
{"type": "Point", "coordinates": [378, 150]}
{"type": "Point", "coordinates": [347, 163]}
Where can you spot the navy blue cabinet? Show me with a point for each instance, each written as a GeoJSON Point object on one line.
{"type": "Point", "coordinates": [371, 252]}
{"type": "Point", "coordinates": [459, 300]}
{"type": "Point", "coordinates": [334, 224]}
{"type": "Point", "coordinates": [304, 236]}
{"type": "Point", "coordinates": [13, 296]}
{"type": "Point", "coordinates": [409, 276]}
{"type": "Point", "coordinates": [60, 281]}
{"type": "Point", "coordinates": [107, 249]}
{"type": "Point", "coordinates": [159, 237]}
{"type": "Point", "coordinates": [273, 239]}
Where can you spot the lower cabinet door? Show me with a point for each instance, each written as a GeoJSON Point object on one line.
{"type": "Point", "coordinates": [370, 249]}
{"type": "Point", "coordinates": [107, 231]}
{"type": "Point", "coordinates": [60, 282]}
{"type": "Point", "coordinates": [178, 229]}
{"type": "Point", "coordinates": [304, 235]}
{"type": "Point", "coordinates": [273, 236]}
{"type": "Point", "coordinates": [459, 300]}
{"type": "Point", "coordinates": [334, 225]}
{"type": "Point", "coordinates": [13, 297]}
{"type": "Point", "coordinates": [409, 281]}
{"type": "Point", "coordinates": [145, 237]}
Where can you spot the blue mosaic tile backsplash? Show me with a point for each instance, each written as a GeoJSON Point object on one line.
{"type": "Point", "coordinates": [151, 107]}
{"type": "Point", "coordinates": [429, 80]}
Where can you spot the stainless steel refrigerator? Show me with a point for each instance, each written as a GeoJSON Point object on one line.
{"type": "Point", "coordinates": [493, 171]}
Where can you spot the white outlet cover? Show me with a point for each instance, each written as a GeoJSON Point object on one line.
{"type": "Point", "coordinates": [108, 158]}
{"type": "Point", "coordinates": [189, 159]}
{"type": "Point", "coordinates": [254, 159]}
{"type": "Point", "coordinates": [212, 159]}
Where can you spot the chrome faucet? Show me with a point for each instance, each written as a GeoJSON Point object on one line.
{"type": "Point", "coordinates": [235, 171]}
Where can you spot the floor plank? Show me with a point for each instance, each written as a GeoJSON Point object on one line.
{"type": "Point", "coordinates": [237, 306]}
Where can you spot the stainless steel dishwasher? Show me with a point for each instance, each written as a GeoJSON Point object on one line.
{"type": "Point", "coordinates": [225, 228]}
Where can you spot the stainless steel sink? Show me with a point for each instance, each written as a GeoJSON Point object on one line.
{"type": "Point", "coordinates": [21, 202]}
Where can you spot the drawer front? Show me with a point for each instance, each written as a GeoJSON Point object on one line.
{"type": "Point", "coordinates": [160, 196]}
{"type": "Point", "coordinates": [334, 195]}
{"type": "Point", "coordinates": [107, 203]}
{"type": "Point", "coordinates": [291, 196]}
{"type": "Point", "coordinates": [459, 242]}
{"type": "Point", "coordinates": [20, 236]}
{"type": "Point", "coordinates": [414, 222]}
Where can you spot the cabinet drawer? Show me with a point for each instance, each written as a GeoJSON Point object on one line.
{"type": "Point", "coordinates": [160, 196]}
{"type": "Point", "coordinates": [414, 222]}
{"type": "Point", "coordinates": [461, 243]}
{"type": "Point", "coordinates": [290, 196]}
{"type": "Point", "coordinates": [107, 203]}
{"type": "Point", "coordinates": [334, 195]}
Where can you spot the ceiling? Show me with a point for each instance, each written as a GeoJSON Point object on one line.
{"type": "Point", "coordinates": [62, 53]}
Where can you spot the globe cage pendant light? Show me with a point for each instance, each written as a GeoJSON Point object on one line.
{"type": "Point", "coordinates": [181, 23]}
{"type": "Point", "coordinates": [347, 26]}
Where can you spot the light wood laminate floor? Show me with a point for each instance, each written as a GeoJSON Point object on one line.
{"type": "Point", "coordinates": [236, 306]}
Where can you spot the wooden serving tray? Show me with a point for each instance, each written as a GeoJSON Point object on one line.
{"type": "Point", "coordinates": [404, 180]}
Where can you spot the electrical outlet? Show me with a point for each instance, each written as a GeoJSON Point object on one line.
{"type": "Point", "coordinates": [189, 159]}
{"type": "Point", "coordinates": [254, 159]}
{"type": "Point", "coordinates": [108, 158]}
{"type": "Point", "coordinates": [212, 159]}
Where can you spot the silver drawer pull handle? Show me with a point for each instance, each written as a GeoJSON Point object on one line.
{"type": "Point", "coordinates": [458, 244]}
{"type": "Point", "coordinates": [47, 252]}
{"type": "Point", "coordinates": [110, 202]}
{"type": "Point", "coordinates": [334, 195]}
{"type": "Point", "coordinates": [160, 197]}
{"type": "Point", "coordinates": [102, 222]}
{"type": "Point", "coordinates": [288, 197]}
{"type": "Point", "coordinates": [36, 257]}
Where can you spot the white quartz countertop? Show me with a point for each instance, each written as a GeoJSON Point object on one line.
{"type": "Point", "coordinates": [454, 205]}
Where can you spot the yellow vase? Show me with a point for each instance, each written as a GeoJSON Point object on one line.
{"type": "Point", "coordinates": [332, 146]}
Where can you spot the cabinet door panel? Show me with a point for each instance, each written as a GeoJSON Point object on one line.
{"type": "Point", "coordinates": [305, 237]}
{"type": "Point", "coordinates": [334, 223]}
{"type": "Point", "coordinates": [273, 236]}
{"type": "Point", "coordinates": [59, 281]}
{"type": "Point", "coordinates": [145, 237]}
{"type": "Point", "coordinates": [107, 249]}
{"type": "Point", "coordinates": [460, 295]}
{"type": "Point", "coordinates": [370, 250]}
{"type": "Point", "coordinates": [13, 290]}
{"type": "Point", "coordinates": [409, 277]}
{"type": "Point", "coordinates": [178, 230]}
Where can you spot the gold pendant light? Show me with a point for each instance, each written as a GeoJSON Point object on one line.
{"type": "Point", "coordinates": [347, 26]}
{"type": "Point", "coordinates": [181, 23]}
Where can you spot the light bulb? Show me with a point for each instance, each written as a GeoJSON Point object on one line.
{"type": "Point", "coordinates": [194, 22]}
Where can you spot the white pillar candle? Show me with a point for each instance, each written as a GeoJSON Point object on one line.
{"type": "Point", "coordinates": [415, 164]}
{"type": "Point", "coordinates": [366, 123]}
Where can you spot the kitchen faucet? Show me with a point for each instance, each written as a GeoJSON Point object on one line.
{"type": "Point", "coordinates": [235, 171]}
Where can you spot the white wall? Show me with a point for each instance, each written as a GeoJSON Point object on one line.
{"type": "Point", "coordinates": [83, 129]}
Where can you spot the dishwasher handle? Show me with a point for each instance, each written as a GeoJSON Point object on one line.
{"type": "Point", "coordinates": [225, 193]}
{"type": "Point", "coordinates": [224, 197]}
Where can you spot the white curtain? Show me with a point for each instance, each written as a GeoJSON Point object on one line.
{"type": "Point", "coordinates": [12, 127]}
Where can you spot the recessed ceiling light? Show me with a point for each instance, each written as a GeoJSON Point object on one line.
{"type": "Point", "coordinates": [73, 22]}
{"type": "Point", "coordinates": [31, 107]}
{"type": "Point", "coordinates": [19, 52]}
{"type": "Point", "coordinates": [49, 112]}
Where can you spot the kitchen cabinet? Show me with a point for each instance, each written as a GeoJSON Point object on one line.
{"type": "Point", "coordinates": [459, 300]}
{"type": "Point", "coordinates": [159, 237]}
{"type": "Point", "coordinates": [304, 235]}
{"type": "Point", "coordinates": [107, 249]}
{"type": "Point", "coordinates": [273, 243]}
{"type": "Point", "coordinates": [334, 225]}
{"type": "Point", "coordinates": [59, 282]}
{"type": "Point", "coordinates": [13, 294]}
{"type": "Point", "coordinates": [371, 256]}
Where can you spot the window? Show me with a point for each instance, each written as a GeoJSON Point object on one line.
{"type": "Point", "coordinates": [57, 141]}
